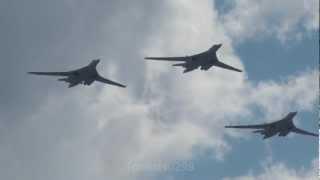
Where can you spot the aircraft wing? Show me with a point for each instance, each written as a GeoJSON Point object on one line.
{"type": "Point", "coordinates": [51, 73]}
{"type": "Point", "coordinates": [107, 81]}
{"type": "Point", "coordinates": [258, 126]}
{"type": "Point", "coordinates": [186, 58]}
{"type": "Point", "coordinates": [300, 131]}
{"type": "Point", "coordinates": [225, 66]}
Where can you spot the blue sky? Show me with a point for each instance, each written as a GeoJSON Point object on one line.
{"type": "Point", "coordinates": [164, 117]}
{"type": "Point", "coordinates": [270, 55]}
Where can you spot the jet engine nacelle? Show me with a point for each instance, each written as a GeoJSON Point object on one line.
{"type": "Point", "coordinates": [72, 81]}
{"type": "Point", "coordinates": [284, 133]}
{"type": "Point", "coordinates": [265, 133]}
{"type": "Point", "coordinates": [269, 133]}
{"type": "Point", "coordinates": [88, 82]}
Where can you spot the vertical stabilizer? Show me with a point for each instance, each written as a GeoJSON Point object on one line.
{"type": "Point", "coordinates": [215, 48]}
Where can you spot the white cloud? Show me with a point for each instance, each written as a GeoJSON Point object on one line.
{"type": "Point", "coordinates": [280, 171]}
{"type": "Point", "coordinates": [286, 19]}
{"type": "Point", "coordinates": [297, 92]}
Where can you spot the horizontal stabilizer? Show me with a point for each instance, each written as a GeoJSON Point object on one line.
{"type": "Point", "coordinates": [180, 64]}
{"type": "Point", "coordinates": [259, 131]}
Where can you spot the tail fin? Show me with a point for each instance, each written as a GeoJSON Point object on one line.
{"type": "Point", "coordinates": [291, 115]}
{"type": "Point", "coordinates": [94, 62]}
{"type": "Point", "coordinates": [215, 47]}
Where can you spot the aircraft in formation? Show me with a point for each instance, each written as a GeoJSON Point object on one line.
{"type": "Point", "coordinates": [85, 75]}
{"type": "Point", "coordinates": [204, 60]}
{"type": "Point", "coordinates": [281, 127]}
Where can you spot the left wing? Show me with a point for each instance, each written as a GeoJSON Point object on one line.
{"type": "Point", "coordinates": [258, 126]}
{"type": "Point", "coordinates": [186, 58]}
{"type": "Point", "coordinates": [52, 73]}
{"type": "Point", "coordinates": [300, 131]}
{"type": "Point", "coordinates": [225, 66]}
{"type": "Point", "coordinates": [107, 81]}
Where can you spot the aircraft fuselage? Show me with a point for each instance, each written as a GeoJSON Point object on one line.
{"type": "Point", "coordinates": [203, 60]}
{"type": "Point", "coordinates": [282, 127]}
{"type": "Point", "coordinates": [85, 75]}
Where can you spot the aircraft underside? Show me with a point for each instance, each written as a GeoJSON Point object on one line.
{"type": "Point", "coordinates": [266, 134]}
{"type": "Point", "coordinates": [192, 66]}
{"type": "Point", "coordinates": [73, 81]}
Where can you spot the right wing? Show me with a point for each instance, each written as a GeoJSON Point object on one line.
{"type": "Point", "coordinates": [186, 58]}
{"type": "Point", "coordinates": [258, 126]}
{"type": "Point", "coordinates": [226, 66]}
{"type": "Point", "coordinates": [51, 73]}
{"type": "Point", "coordinates": [300, 131]}
{"type": "Point", "coordinates": [107, 81]}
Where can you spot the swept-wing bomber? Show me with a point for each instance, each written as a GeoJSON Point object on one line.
{"type": "Point", "coordinates": [281, 127]}
{"type": "Point", "coordinates": [85, 75]}
{"type": "Point", "coordinates": [204, 60]}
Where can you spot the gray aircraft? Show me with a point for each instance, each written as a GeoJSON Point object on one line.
{"type": "Point", "coordinates": [86, 75]}
{"type": "Point", "coordinates": [282, 127]}
{"type": "Point", "coordinates": [204, 60]}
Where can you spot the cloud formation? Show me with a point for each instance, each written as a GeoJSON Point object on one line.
{"type": "Point", "coordinates": [280, 171]}
{"type": "Point", "coordinates": [284, 20]}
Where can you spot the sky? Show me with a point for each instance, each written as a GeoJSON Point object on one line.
{"type": "Point", "coordinates": [165, 125]}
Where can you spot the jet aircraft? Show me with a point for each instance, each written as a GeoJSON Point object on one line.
{"type": "Point", "coordinates": [204, 60]}
{"type": "Point", "coordinates": [85, 75]}
{"type": "Point", "coordinates": [281, 127]}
